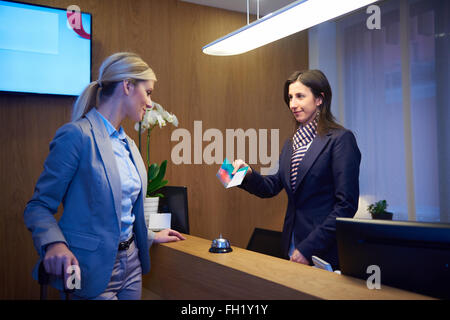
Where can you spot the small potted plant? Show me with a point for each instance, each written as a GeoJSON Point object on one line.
{"type": "Point", "coordinates": [378, 210]}
{"type": "Point", "coordinates": [156, 115]}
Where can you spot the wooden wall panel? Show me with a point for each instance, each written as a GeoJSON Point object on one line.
{"type": "Point", "coordinates": [242, 91]}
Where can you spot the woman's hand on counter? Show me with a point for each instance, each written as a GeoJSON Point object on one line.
{"type": "Point", "coordinates": [168, 235]}
{"type": "Point", "coordinates": [298, 257]}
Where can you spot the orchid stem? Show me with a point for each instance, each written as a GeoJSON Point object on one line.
{"type": "Point", "coordinates": [148, 148]}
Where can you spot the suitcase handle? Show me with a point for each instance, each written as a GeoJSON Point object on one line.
{"type": "Point", "coordinates": [44, 279]}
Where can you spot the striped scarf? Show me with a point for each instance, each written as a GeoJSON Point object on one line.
{"type": "Point", "coordinates": [302, 137]}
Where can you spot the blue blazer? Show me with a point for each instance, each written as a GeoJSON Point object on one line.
{"type": "Point", "coordinates": [327, 187]}
{"type": "Point", "coordinates": [81, 173]}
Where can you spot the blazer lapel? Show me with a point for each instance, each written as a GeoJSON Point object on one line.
{"type": "Point", "coordinates": [286, 165]}
{"type": "Point", "coordinates": [109, 162]}
{"type": "Point", "coordinates": [310, 156]}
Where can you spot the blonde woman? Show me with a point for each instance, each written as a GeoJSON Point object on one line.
{"type": "Point", "coordinates": [95, 170]}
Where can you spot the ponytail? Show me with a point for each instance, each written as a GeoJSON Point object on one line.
{"type": "Point", "coordinates": [85, 101]}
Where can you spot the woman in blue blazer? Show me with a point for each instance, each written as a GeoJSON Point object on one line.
{"type": "Point", "coordinates": [318, 168]}
{"type": "Point", "coordinates": [96, 171]}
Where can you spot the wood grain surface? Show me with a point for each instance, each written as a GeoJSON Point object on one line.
{"type": "Point", "coordinates": [187, 270]}
{"type": "Point", "coordinates": [243, 91]}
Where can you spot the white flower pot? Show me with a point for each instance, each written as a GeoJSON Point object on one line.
{"type": "Point", "coordinates": [159, 221]}
{"type": "Point", "coordinates": [150, 207]}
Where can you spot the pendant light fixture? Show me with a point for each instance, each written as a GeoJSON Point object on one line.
{"type": "Point", "coordinates": [295, 17]}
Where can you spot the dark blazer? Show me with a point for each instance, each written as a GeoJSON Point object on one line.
{"type": "Point", "coordinates": [327, 187]}
{"type": "Point", "coordinates": [81, 173]}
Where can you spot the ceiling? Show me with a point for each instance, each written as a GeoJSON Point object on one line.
{"type": "Point", "coordinates": [265, 6]}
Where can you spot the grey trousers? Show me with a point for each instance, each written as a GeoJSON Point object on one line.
{"type": "Point", "coordinates": [126, 278]}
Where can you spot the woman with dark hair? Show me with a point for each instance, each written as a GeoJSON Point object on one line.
{"type": "Point", "coordinates": [318, 168]}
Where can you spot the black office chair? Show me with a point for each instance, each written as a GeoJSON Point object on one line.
{"type": "Point", "coordinates": [175, 201]}
{"type": "Point", "coordinates": [266, 242]}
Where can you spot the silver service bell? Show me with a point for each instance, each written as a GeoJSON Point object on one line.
{"type": "Point", "coordinates": [220, 245]}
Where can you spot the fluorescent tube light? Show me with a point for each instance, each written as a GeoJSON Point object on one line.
{"type": "Point", "coordinates": [295, 17]}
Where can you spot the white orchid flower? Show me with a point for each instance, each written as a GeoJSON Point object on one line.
{"type": "Point", "coordinates": [175, 120]}
{"type": "Point", "coordinates": [169, 117]}
{"type": "Point", "coordinates": [156, 115]}
{"type": "Point", "coordinates": [158, 107]}
{"type": "Point", "coordinates": [158, 118]}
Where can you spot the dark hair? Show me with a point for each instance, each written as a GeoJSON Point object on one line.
{"type": "Point", "coordinates": [318, 83]}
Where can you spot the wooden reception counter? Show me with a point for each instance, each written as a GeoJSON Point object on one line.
{"type": "Point", "coordinates": [187, 270]}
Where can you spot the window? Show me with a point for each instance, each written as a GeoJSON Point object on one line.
{"type": "Point", "coordinates": [391, 88]}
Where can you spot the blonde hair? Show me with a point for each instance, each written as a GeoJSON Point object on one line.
{"type": "Point", "coordinates": [114, 69]}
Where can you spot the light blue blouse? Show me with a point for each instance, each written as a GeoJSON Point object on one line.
{"type": "Point", "coordinates": [129, 177]}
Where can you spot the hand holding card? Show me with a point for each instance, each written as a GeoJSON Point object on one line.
{"type": "Point", "coordinates": [225, 174]}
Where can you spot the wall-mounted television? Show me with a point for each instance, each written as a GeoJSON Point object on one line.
{"type": "Point", "coordinates": [44, 50]}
